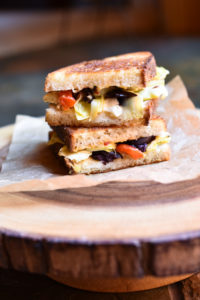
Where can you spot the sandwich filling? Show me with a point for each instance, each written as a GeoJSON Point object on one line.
{"type": "Point", "coordinates": [135, 149]}
{"type": "Point", "coordinates": [115, 101]}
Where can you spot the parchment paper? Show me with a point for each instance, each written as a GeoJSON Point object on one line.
{"type": "Point", "coordinates": [30, 159]}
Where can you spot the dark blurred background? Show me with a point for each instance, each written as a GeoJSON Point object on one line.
{"type": "Point", "coordinates": [39, 36]}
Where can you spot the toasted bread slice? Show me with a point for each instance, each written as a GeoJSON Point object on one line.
{"type": "Point", "coordinates": [129, 70]}
{"type": "Point", "coordinates": [56, 117]}
{"type": "Point", "coordinates": [82, 138]}
{"type": "Point", "coordinates": [91, 166]}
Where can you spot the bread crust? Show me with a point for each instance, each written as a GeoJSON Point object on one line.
{"type": "Point", "coordinates": [78, 139]}
{"type": "Point", "coordinates": [128, 70]}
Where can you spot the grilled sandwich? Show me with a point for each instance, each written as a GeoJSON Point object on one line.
{"type": "Point", "coordinates": [121, 91]}
{"type": "Point", "coordinates": [106, 149]}
{"type": "Point", "coordinates": [102, 113]}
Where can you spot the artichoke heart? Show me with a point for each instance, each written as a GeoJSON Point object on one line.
{"type": "Point", "coordinates": [159, 79]}
{"type": "Point", "coordinates": [82, 110]}
{"type": "Point", "coordinates": [74, 156]}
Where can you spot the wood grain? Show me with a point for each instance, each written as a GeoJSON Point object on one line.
{"type": "Point", "coordinates": [109, 231]}
{"type": "Point", "coordinates": [22, 286]}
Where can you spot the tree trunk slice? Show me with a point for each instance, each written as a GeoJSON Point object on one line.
{"type": "Point", "coordinates": [114, 230]}
{"type": "Point", "coordinates": [191, 288]}
{"type": "Point", "coordinates": [121, 285]}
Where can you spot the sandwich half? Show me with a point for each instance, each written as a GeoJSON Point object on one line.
{"type": "Point", "coordinates": [120, 91]}
{"type": "Point", "coordinates": [98, 150]}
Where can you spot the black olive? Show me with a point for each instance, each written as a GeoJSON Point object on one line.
{"type": "Point", "coordinates": [85, 94]}
{"type": "Point", "coordinates": [143, 140]}
{"type": "Point", "coordinates": [105, 156]}
{"type": "Point", "coordinates": [119, 93]}
{"type": "Point", "coordinates": [140, 143]}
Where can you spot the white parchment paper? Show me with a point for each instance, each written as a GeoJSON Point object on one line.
{"type": "Point", "coordinates": [31, 165]}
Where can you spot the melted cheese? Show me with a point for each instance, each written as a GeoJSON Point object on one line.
{"type": "Point", "coordinates": [112, 107]}
{"type": "Point", "coordinates": [159, 140]}
{"type": "Point", "coordinates": [135, 106]}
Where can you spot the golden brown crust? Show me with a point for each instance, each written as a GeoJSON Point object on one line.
{"type": "Point", "coordinates": [128, 70]}
{"type": "Point", "coordinates": [81, 138]}
{"type": "Point", "coordinates": [141, 60]}
{"type": "Point", "coordinates": [148, 71]}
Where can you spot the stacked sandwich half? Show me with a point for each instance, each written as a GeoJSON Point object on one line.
{"type": "Point", "coordinates": [102, 113]}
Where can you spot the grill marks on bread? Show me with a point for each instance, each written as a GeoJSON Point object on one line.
{"type": "Point", "coordinates": [128, 70]}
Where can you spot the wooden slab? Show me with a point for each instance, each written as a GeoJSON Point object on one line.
{"type": "Point", "coordinates": [112, 230]}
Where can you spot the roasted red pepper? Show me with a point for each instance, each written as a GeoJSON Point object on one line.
{"type": "Point", "coordinates": [130, 150]}
{"type": "Point", "coordinates": [66, 100]}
